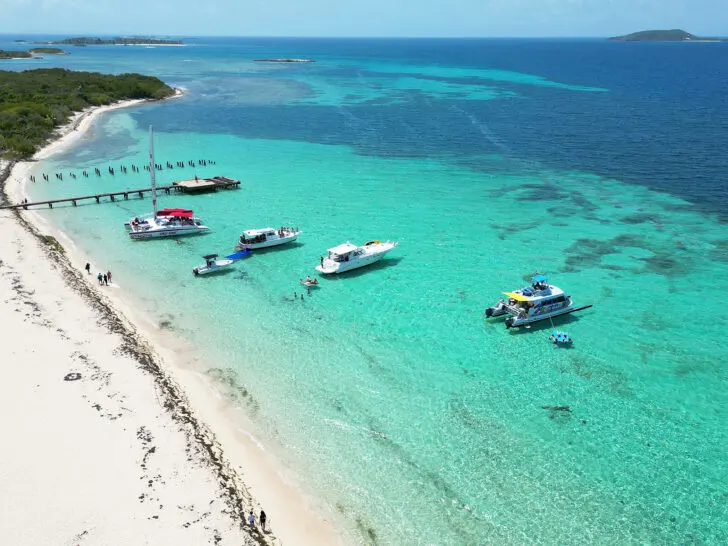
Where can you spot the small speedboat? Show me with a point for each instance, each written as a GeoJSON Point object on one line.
{"type": "Point", "coordinates": [212, 265]}
{"type": "Point", "coordinates": [308, 282]}
{"type": "Point", "coordinates": [347, 256]}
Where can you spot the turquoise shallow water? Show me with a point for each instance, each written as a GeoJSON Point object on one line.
{"type": "Point", "coordinates": [410, 415]}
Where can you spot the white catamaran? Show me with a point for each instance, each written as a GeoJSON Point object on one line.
{"type": "Point", "coordinates": [540, 301]}
{"type": "Point", "coordinates": [166, 222]}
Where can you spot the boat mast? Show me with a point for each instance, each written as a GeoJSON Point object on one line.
{"type": "Point", "coordinates": [152, 168]}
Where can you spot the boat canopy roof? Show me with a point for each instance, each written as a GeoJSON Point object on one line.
{"type": "Point", "coordinates": [343, 249]}
{"type": "Point", "coordinates": [256, 232]}
{"type": "Point", "coordinates": [517, 297]}
{"type": "Point", "coordinates": [178, 213]}
{"type": "Point", "coordinates": [540, 278]}
{"type": "Point", "coordinates": [209, 256]}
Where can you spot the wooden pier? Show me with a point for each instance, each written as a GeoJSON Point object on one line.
{"type": "Point", "coordinates": [197, 185]}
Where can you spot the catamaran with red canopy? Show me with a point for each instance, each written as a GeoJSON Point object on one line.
{"type": "Point", "coordinates": [175, 213]}
{"type": "Point", "coordinates": [165, 222]}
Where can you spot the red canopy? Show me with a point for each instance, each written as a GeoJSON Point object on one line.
{"type": "Point", "coordinates": [178, 213]}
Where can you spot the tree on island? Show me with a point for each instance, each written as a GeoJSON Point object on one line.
{"type": "Point", "coordinates": [48, 51]}
{"type": "Point", "coordinates": [35, 102]}
{"type": "Point", "coordinates": [14, 54]}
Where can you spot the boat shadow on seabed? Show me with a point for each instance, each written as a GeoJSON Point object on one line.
{"type": "Point", "coordinates": [277, 248]}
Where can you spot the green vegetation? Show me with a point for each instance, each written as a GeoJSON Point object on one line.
{"type": "Point", "coordinates": [30, 54]}
{"type": "Point", "coordinates": [48, 51]}
{"type": "Point", "coordinates": [53, 243]}
{"type": "Point", "coordinates": [674, 35]}
{"type": "Point", "coordinates": [117, 41]}
{"type": "Point", "coordinates": [14, 54]}
{"type": "Point", "coordinates": [35, 102]}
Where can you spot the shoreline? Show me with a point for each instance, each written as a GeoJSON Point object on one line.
{"type": "Point", "coordinates": [237, 460]}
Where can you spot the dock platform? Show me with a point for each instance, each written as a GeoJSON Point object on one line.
{"type": "Point", "coordinates": [184, 186]}
{"type": "Point", "coordinates": [202, 185]}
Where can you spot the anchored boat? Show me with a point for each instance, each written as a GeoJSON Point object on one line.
{"type": "Point", "coordinates": [267, 237]}
{"type": "Point", "coordinates": [347, 256]}
{"type": "Point", "coordinates": [212, 265]}
{"type": "Point", "coordinates": [166, 222]}
{"type": "Point", "coordinates": [540, 301]}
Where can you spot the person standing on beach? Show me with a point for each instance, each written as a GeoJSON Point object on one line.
{"type": "Point", "coordinates": [251, 519]}
{"type": "Point", "coordinates": [100, 277]}
{"type": "Point", "coordinates": [106, 280]}
{"type": "Point", "coordinates": [262, 520]}
{"type": "Point", "coordinates": [88, 268]}
{"type": "Point", "coordinates": [108, 275]}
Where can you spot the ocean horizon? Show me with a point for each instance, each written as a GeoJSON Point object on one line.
{"type": "Point", "coordinates": [409, 416]}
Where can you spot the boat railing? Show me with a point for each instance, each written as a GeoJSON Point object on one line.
{"type": "Point", "coordinates": [513, 310]}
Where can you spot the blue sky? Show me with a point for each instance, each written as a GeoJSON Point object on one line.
{"type": "Point", "coordinates": [487, 18]}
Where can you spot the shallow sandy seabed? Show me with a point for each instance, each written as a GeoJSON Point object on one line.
{"type": "Point", "coordinates": [101, 436]}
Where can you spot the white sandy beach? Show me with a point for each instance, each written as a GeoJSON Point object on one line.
{"type": "Point", "coordinates": [134, 446]}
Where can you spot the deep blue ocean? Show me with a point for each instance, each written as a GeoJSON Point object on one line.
{"type": "Point", "coordinates": [663, 114]}
{"type": "Point", "coordinates": [408, 415]}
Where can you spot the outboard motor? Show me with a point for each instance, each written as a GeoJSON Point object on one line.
{"type": "Point", "coordinates": [496, 310]}
{"type": "Point", "coordinates": [509, 322]}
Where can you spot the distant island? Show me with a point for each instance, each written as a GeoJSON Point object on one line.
{"type": "Point", "coordinates": [34, 103]}
{"type": "Point", "coordinates": [673, 35]}
{"type": "Point", "coordinates": [116, 41]}
{"type": "Point", "coordinates": [283, 61]}
{"type": "Point", "coordinates": [32, 54]}
{"type": "Point", "coordinates": [14, 54]}
{"type": "Point", "coordinates": [48, 51]}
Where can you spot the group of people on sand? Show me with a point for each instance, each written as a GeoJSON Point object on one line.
{"type": "Point", "coordinates": [251, 519]}
{"type": "Point", "coordinates": [103, 278]}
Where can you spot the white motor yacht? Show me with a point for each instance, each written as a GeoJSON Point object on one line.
{"type": "Point", "coordinates": [347, 256]}
{"type": "Point", "coordinates": [254, 239]}
{"type": "Point", "coordinates": [540, 301]}
{"type": "Point", "coordinates": [166, 222]}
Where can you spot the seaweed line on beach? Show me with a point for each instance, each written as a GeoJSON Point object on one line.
{"type": "Point", "coordinates": [198, 435]}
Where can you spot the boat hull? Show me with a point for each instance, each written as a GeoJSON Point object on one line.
{"type": "Point", "coordinates": [219, 265]}
{"type": "Point", "coordinates": [168, 232]}
{"type": "Point", "coordinates": [515, 322]}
